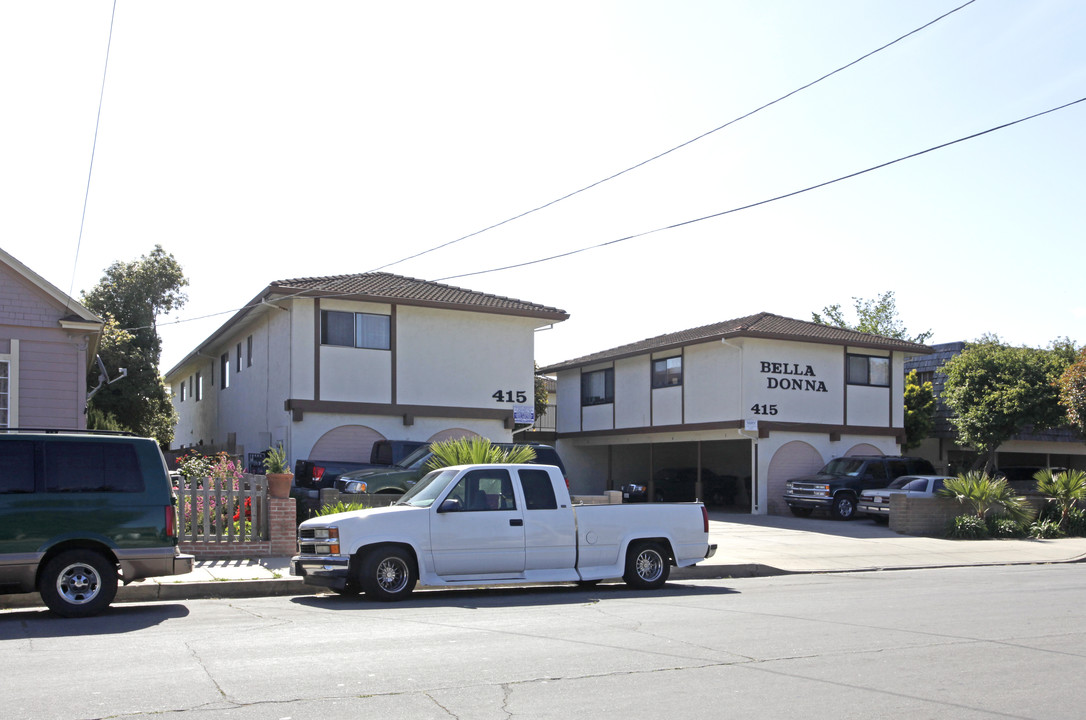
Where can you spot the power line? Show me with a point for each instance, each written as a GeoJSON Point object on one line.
{"type": "Point", "coordinates": [94, 145]}
{"type": "Point", "coordinates": [677, 147]}
{"type": "Point", "coordinates": [769, 200]}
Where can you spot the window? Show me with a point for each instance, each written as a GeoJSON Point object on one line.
{"type": "Point", "coordinates": [482, 490]}
{"type": "Point", "coordinates": [867, 370]}
{"type": "Point", "coordinates": [224, 370]}
{"type": "Point", "coordinates": [5, 394]}
{"type": "Point", "coordinates": [184, 386]}
{"type": "Point", "coordinates": [249, 351]}
{"type": "Point", "coordinates": [538, 490]}
{"type": "Point", "coordinates": [92, 467]}
{"type": "Point", "coordinates": [16, 467]}
{"type": "Point", "coordinates": [598, 387]}
{"type": "Point", "coordinates": [667, 372]}
{"type": "Point", "coordinates": [237, 361]}
{"type": "Point", "coordinates": [199, 388]}
{"type": "Point", "coordinates": [361, 330]}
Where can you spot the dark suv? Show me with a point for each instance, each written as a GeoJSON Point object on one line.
{"type": "Point", "coordinates": [838, 485]}
{"type": "Point", "coordinates": [80, 510]}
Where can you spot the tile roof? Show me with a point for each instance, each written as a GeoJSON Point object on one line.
{"type": "Point", "coordinates": [386, 287]}
{"type": "Point", "coordinates": [762, 325]}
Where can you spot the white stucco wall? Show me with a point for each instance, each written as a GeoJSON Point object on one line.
{"type": "Point", "coordinates": [632, 403]}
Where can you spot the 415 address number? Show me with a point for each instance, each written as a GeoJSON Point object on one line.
{"type": "Point", "coordinates": [520, 396]}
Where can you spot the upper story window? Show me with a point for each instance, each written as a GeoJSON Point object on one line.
{"type": "Point", "coordinates": [224, 370]}
{"type": "Point", "coordinates": [249, 351]}
{"type": "Point", "coordinates": [667, 372]}
{"type": "Point", "coordinates": [4, 394]}
{"type": "Point", "coordinates": [868, 370]}
{"type": "Point", "coordinates": [184, 387]}
{"type": "Point", "coordinates": [199, 388]}
{"type": "Point", "coordinates": [361, 330]}
{"type": "Point", "coordinates": [237, 359]}
{"type": "Point", "coordinates": [598, 387]}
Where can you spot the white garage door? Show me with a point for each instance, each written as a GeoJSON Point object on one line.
{"type": "Point", "coordinates": [347, 443]}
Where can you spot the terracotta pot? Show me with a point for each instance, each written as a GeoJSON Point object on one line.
{"type": "Point", "coordinates": [279, 484]}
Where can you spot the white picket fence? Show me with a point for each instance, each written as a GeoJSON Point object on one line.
{"type": "Point", "coordinates": [207, 509]}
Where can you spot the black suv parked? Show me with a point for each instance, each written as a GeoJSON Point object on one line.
{"type": "Point", "coordinates": [838, 485]}
{"type": "Point", "coordinates": [79, 511]}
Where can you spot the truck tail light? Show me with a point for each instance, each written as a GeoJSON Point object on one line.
{"type": "Point", "coordinates": [318, 473]}
{"type": "Point", "coordinates": [705, 518]}
{"type": "Point", "coordinates": [171, 521]}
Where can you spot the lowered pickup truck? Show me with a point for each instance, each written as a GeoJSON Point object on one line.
{"type": "Point", "coordinates": [471, 525]}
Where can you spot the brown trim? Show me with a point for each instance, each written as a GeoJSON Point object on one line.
{"type": "Point", "coordinates": [392, 352]}
{"type": "Point", "coordinates": [764, 429]}
{"type": "Point", "coordinates": [299, 406]}
{"type": "Point", "coordinates": [316, 348]}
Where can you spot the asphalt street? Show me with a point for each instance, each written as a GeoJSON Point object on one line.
{"type": "Point", "coordinates": [979, 642]}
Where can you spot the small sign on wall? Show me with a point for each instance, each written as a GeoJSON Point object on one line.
{"type": "Point", "coordinates": [524, 414]}
{"type": "Point", "coordinates": [751, 424]}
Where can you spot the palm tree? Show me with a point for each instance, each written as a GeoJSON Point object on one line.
{"type": "Point", "coordinates": [982, 492]}
{"type": "Point", "coordinates": [475, 451]}
{"type": "Point", "coordinates": [1062, 488]}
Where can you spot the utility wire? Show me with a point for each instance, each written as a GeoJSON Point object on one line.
{"type": "Point", "coordinates": [677, 147]}
{"type": "Point", "coordinates": [684, 222]}
{"type": "Point", "coordinates": [769, 200]}
{"type": "Point", "coordinates": [94, 145]}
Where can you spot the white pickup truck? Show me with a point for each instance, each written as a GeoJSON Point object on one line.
{"type": "Point", "coordinates": [472, 525]}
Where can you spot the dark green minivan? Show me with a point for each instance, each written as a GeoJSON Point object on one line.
{"type": "Point", "coordinates": [80, 511]}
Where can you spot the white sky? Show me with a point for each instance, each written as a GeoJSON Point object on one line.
{"type": "Point", "coordinates": [260, 141]}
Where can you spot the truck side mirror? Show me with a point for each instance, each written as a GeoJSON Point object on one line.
{"type": "Point", "coordinates": [450, 505]}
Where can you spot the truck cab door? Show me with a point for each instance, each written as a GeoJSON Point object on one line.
{"type": "Point", "coordinates": [477, 530]}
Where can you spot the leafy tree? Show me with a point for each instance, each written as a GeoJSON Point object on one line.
{"type": "Point", "coordinates": [877, 316]}
{"type": "Point", "coordinates": [1063, 489]}
{"type": "Point", "coordinates": [540, 395]}
{"type": "Point", "coordinates": [130, 297]}
{"type": "Point", "coordinates": [996, 391]}
{"type": "Point", "coordinates": [983, 493]}
{"type": "Point", "coordinates": [474, 451]}
{"type": "Point", "coordinates": [919, 410]}
{"type": "Point", "coordinates": [1072, 386]}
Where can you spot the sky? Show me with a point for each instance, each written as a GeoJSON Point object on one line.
{"type": "Point", "coordinates": [264, 140]}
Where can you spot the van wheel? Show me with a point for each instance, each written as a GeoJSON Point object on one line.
{"type": "Point", "coordinates": [388, 573]}
{"type": "Point", "coordinates": [647, 566]}
{"type": "Point", "coordinates": [844, 507]}
{"type": "Point", "coordinates": [78, 583]}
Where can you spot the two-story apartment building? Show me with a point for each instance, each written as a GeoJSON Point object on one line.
{"type": "Point", "coordinates": [752, 401]}
{"type": "Point", "coordinates": [329, 365]}
{"type": "Point", "coordinates": [47, 345]}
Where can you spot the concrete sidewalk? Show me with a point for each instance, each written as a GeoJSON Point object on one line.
{"type": "Point", "coordinates": [747, 546]}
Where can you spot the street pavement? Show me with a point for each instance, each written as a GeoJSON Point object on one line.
{"type": "Point", "coordinates": [747, 546]}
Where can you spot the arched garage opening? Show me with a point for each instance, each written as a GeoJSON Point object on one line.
{"type": "Point", "coordinates": [346, 443]}
{"type": "Point", "coordinates": [864, 449]}
{"type": "Point", "coordinates": [452, 434]}
{"type": "Point", "coordinates": [793, 459]}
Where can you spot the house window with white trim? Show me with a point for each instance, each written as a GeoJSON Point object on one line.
{"type": "Point", "coordinates": [598, 387]}
{"type": "Point", "coordinates": [667, 372]}
{"type": "Point", "coordinates": [359, 330]}
{"type": "Point", "coordinates": [868, 370]}
{"type": "Point", "coordinates": [224, 370]}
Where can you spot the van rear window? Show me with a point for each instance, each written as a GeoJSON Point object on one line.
{"type": "Point", "coordinates": [16, 467]}
{"type": "Point", "coordinates": [92, 467]}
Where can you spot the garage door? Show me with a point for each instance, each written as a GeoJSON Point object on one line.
{"type": "Point", "coordinates": [792, 460]}
{"type": "Point", "coordinates": [347, 443]}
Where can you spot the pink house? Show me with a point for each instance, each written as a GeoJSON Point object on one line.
{"type": "Point", "coordinates": [48, 342]}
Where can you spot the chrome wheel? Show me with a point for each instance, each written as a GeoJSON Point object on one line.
{"type": "Point", "coordinates": [393, 574]}
{"type": "Point", "coordinates": [647, 566]}
{"type": "Point", "coordinates": [78, 583]}
{"type": "Point", "coordinates": [388, 573]}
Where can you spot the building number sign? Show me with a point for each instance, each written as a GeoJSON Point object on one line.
{"type": "Point", "coordinates": [520, 396]}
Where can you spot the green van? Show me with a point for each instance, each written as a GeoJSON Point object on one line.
{"type": "Point", "coordinates": [80, 510]}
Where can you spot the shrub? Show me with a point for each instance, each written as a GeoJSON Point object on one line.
{"type": "Point", "coordinates": [1004, 527]}
{"type": "Point", "coordinates": [967, 527]}
{"type": "Point", "coordinates": [339, 507]}
{"type": "Point", "coordinates": [1076, 523]}
{"type": "Point", "coordinates": [1045, 529]}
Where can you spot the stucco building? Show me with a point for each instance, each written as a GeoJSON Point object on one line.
{"type": "Point", "coordinates": [756, 400]}
{"type": "Point", "coordinates": [48, 343]}
{"type": "Point", "coordinates": [328, 365]}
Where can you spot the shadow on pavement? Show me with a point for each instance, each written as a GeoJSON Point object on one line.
{"type": "Point", "coordinates": [114, 620]}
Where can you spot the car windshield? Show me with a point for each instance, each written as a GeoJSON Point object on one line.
{"type": "Point", "coordinates": [427, 490]}
{"type": "Point", "coordinates": [418, 454]}
{"type": "Point", "coordinates": [843, 466]}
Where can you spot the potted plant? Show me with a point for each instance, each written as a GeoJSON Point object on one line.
{"type": "Point", "coordinates": [277, 472]}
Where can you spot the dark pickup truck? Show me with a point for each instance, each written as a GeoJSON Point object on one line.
{"type": "Point", "coordinates": [838, 485]}
{"type": "Point", "coordinates": [312, 475]}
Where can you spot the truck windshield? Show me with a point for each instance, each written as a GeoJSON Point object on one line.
{"type": "Point", "coordinates": [427, 490]}
{"type": "Point", "coordinates": [842, 466]}
{"type": "Point", "coordinates": [412, 460]}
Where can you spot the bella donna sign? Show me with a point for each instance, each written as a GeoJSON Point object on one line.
{"type": "Point", "coordinates": [791, 376]}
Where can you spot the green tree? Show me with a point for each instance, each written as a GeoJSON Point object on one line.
{"type": "Point", "coordinates": [983, 493]}
{"type": "Point", "coordinates": [1064, 489]}
{"type": "Point", "coordinates": [540, 395]}
{"type": "Point", "coordinates": [996, 391]}
{"type": "Point", "coordinates": [1072, 387]}
{"type": "Point", "coordinates": [474, 451]}
{"type": "Point", "coordinates": [919, 410]}
{"type": "Point", "coordinates": [130, 297]}
{"type": "Point", "coordinates": [877, 316]}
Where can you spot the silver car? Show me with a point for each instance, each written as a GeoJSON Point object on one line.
{"type": "Point", "coordinates": [876, 503]}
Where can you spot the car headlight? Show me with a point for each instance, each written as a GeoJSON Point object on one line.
{"type": "Point", "coordinates": [326, 541]}
{"type": "Point", "coordinates": [355, 487]}
{"type": "Point", "coordinates": [822, 490]}
{"type": "Point", "coordinates": [788, 487]}
{"type": "Point", "coordinates": [636, 488]}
